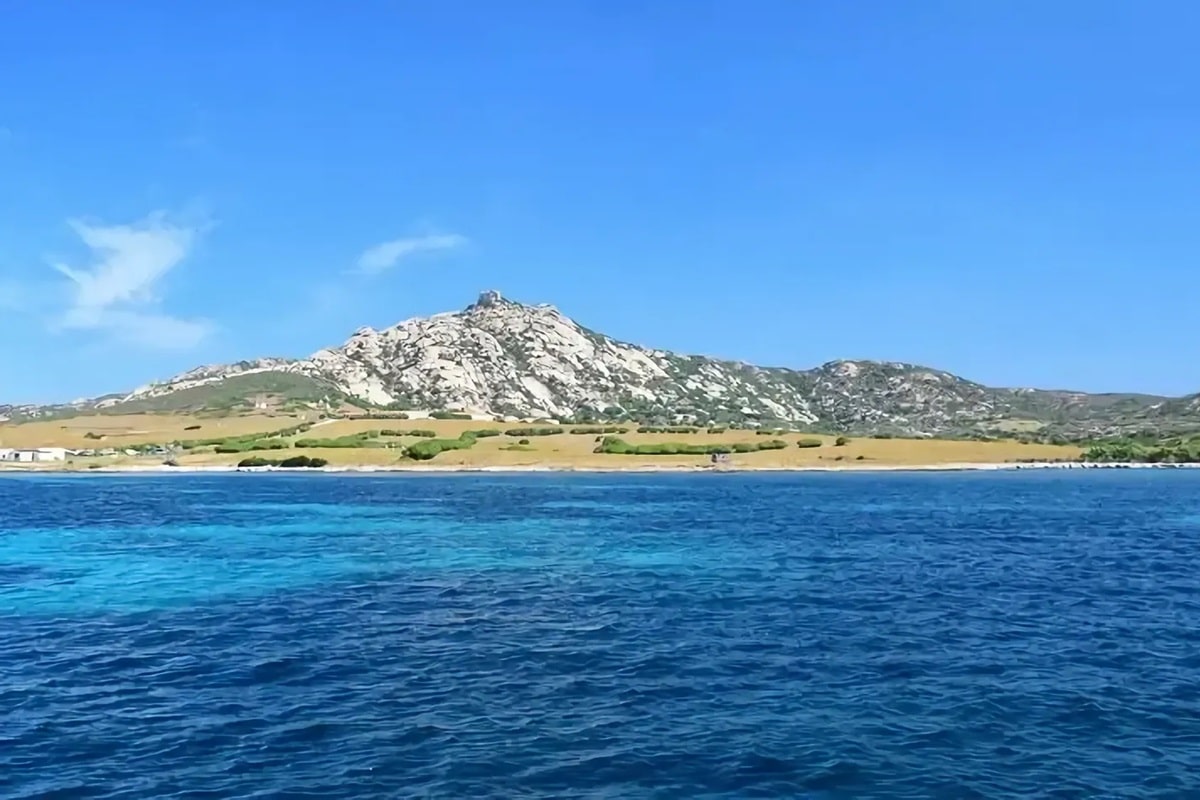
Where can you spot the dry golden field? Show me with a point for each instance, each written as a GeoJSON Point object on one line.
{"type": "Point", "coordinates": [562, 451]}
{"type": "Point", "coordinates": [126, 429]}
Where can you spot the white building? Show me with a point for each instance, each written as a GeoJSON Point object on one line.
{"type": "Point", "coordinates": [34, 454]}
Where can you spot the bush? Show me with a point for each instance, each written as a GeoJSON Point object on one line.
{"type": "Point", "coordinates": [421, 432]}
{"type": "Point", "coordinates": [668, 429]}
{"type": "Point", "coordinates": [526, 432]}
{"type": "Point", "coordinates": [354, 440]}
{"type": "Point", "coordinates": [431, 448]}
{"type": "Point", "coordinates": [287, 463]}
{"type": "Point", "coordinates": [192, 428]}
{"type": "Point", "coordinates": [1169, 452]}
{"type": "Point", "coordinates": [303, 461]}
{"type": "Point", "coordinates": [243, 446]}
{"type": "Point", "coordinates": [484, 433]}
{"type": "Point", "coordinates": [593, 430]}
{"type": "Point", "coordinates": [523, 442]}
{"type": "Point", "coordinates": [255, 461]}
{"type": "Point", "coordinates": [841, 441]}
{"type": "Point", "coordinates": [91, 435]}
{"type": "Point", "coordinates": [615, 446]}
{"type": "Point", "coordinates": [803, 443]}
{"type": "Point", "coordinates": [449, 415]}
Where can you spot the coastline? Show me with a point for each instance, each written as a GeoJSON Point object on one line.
{"type": "Point", "coordinates": [460, 469]}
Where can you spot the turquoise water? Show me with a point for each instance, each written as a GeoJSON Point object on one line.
{"type": "Point", "coordinates": [721, 636]}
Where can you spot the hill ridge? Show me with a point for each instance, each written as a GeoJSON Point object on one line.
{"type": "Point", "coordinates": [497, 356]}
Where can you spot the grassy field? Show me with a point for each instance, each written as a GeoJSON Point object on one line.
{"type": "Point", "coordinates": [127, 429]}
{"type": "Point", "coordinates": [562, 451]}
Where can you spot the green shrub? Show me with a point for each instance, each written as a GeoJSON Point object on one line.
{"type": "Point", "coordinates": [484, 433]}
{"type": "Point", "coordinates": [423, 451]}
{"type": "Point", "coordinates": [523, 442]}
{"type": "Point", "coordinates": [192, 428]}
{"type": "Point", "coordinates": [592, 430]}
{"type": "Point", "coordinates": [289, 463]}
{"type": "Point", "coordinates": [615, 446]}
{"type": "Point", "coordinates": [449, 415]}
{"type": "Point", "coordinates": [841, 441]}
{"type": "Point", "coordinates": [420, 432]}
{"type": "Point", "coordinates": [354, 440]}
{"type": "Point", "coordinates": [526, 432]}
{"type": "Point", "coordinates": [302, 461]}
{"type": "Point", "coordinates": [241, 446]}
{"type": "Point", "coordinates": [255, 461]}
{"type": "Point", "coordinates": [292, 431]}
{"type": "Point", "coordinates": [804, 443]}
{"type": "Point", "coordinates": [1124, 450]}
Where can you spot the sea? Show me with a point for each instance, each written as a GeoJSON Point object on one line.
{"type": "Point", "coordinates": [902, 635]}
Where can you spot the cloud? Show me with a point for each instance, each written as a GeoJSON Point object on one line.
{"type": "Point", "coordinates": [386, 255]}
{"type": "Point", "coordinates": [120, 293]}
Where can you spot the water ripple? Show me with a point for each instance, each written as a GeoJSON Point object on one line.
{"type": "Point", "coordinates": [825, 636]}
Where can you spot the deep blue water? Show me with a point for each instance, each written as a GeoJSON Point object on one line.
{"type": "Point", "coordinates": [712, 636]}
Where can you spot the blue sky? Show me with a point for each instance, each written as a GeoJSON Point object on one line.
{"type": "Point", "coordinates": [1003, 189]}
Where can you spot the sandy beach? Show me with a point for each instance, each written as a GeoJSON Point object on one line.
{"type": "Point", "coordinates": [458, 469]}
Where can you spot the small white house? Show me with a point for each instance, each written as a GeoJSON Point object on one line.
{"type": "Point", "coordinates": [32, 455]}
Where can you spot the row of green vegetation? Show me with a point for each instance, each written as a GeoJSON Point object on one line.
{"type": "Point", "coordinates": [362, 439]}
{"type": "Point", "coordinates": [288, 463]}
{"type": "Point", "coordinates": [527, 432]}
{"type": "Point", "coordinates": [431, 448]}
{"type": "Point", "coordinates": [1125, 450]}
{"type": "Point", "coordinates": [612, 445]}
{"type": "Point", "coordinates": [273, 440]}
{"type": "Point", "coordinates": [420, 432]}
{"type": "Point", "coordinates": [248, 446]}
{"type": "Point", "coordinates": [593, 430]}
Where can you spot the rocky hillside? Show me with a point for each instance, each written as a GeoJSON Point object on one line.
{"type": "Point", "coordinates": [498, 357]}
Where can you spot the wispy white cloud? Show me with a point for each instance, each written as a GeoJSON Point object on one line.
{"type": "Point", "coordinates": [119, 292]}
{"type": "Point", "coordinates": [384, 256]}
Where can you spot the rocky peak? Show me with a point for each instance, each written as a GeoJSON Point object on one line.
{"type": "Point", "coordinates": [490, 299]}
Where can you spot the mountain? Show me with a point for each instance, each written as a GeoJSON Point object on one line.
{"type": "Point", "coordinates": [499, 357]}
